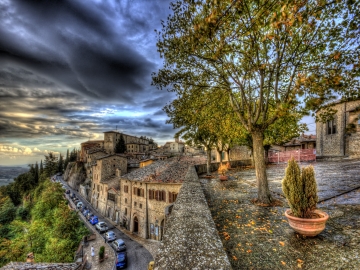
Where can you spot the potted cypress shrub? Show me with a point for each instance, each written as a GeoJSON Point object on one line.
{"type": "Point", "coordinates": [101, 254]}
{"type": "Point", "coordinates": [222, 170]}
{"type": "Point", "coordinates": [300, 190]}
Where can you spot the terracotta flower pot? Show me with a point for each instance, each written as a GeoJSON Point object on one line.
{"type": "Point", "coordinates": [223, 177]}
{"type": "Point", "coordinates": [308, 226]}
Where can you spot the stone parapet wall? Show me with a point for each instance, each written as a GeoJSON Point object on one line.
{"type": "Point", "coordinates": [191, 240]}
{"type": "Point", "coordinates": [201, 168]}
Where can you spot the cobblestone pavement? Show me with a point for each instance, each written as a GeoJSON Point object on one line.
{"type": "Point", "coordinates": [260, 238]}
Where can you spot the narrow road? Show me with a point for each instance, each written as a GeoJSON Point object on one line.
{"type": "Point", "coordinates": [138, 256]}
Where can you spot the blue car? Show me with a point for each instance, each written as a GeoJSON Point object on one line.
{"type": "Point", "coordinates": [121, 260]}
{"type": "Point", "coordinates": [93, 220]}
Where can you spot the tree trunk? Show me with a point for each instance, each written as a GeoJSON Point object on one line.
{"type": "Point", "coordinates": [220, 155]}
{"type": "Point", "coordinates": [208, 164]}
{"type": "Point", "coordinates": [264, 195]}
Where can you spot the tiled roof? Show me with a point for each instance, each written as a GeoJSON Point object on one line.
{"type": "Point", "coordinates": [170, 171]}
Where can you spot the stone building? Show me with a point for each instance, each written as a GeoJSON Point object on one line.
{"type": "Point", "coordinates": [133, 144]}
{"type": "Point", "coordinates": [89, 145]}
{"type": "Point", "coordinates": [340, 136]}
{"type": "Point", "coordinates": [106, 169]}
{"type": "Point", "coordinates": [302, 142]}
{"type": "Point", "coordinates": [140, 199]}
{"type": "Point", "coordinates": [147, 194]}
{"type": "Point", "coordinates": [174, 147]}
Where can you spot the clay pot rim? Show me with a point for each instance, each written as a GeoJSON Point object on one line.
{"type": "Point", "coordinates": [310, 220]}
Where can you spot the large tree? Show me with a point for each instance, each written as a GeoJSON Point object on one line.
{"type": "Point", "coordinates": [268, 57]}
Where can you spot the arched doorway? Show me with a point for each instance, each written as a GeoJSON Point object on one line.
{"type": "Point", "coordinates": [136, 225]}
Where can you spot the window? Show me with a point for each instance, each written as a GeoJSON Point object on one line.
{"type": "Point", "coordinates": [111, 197]}
{"type": "Point", "coordinates": [331, 126]}
{"type": "Point", "coordinates": [125, 200]}
{"type": "Point", "coordinates": [151, 194]}
{"type": "Point", "coordinates": [139, 192]}
{"type": "Point", "coordinates": [134, 203]}
{"type": "Point", "coordinates": [160, 195]}
{"type": "Point", "coordinates": [172, 197]}
{"type": "Point", "coordinates": [126, 189]}
{"type": "Point", "coordinates": [125, 212]}
{"type": "Point", "coordinates": [140, 205]}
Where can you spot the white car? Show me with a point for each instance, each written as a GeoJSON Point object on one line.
{"type": "Point", "coordinates": [110, 236]}
{"type": "Point", "coordinates": [101, 226]}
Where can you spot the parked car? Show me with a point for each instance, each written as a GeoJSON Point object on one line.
{"type": "Point", "coordinates": [94, 220]}
{"type": "Point", "coordinates": [85, 212]}
{"type": "Point", "coordinates": [89, 215]}
{"type": "Point", "coordinates": [101, 227]}
{"type": "Point", "coordinates": [79, 205]}
{"type": "Point", "coordinates": [110, 236]}
{"type": "Point", "coordinates": [119, 245]}
{"type": "Point", "coordinates": [121, 260]}
{"type": "Point", "coordinates": [67, 191]}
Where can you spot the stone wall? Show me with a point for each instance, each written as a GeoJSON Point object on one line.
{"type": "Point", "coordinates": [200, 169]}
{"type": "Point", "coordinates": [191, 240]}
{"type": "Point", "coordinates": [240, 152]}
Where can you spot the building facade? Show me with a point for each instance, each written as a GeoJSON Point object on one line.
{"type": "Point", "coordinates": [340, 136]}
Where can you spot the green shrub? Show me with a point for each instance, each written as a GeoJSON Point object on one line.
{"type": "Point", "coordinates": [101, 252]}
{"type": "Point", "coordinates": [300, 189]}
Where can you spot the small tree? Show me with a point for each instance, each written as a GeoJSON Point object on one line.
{"type": "Point", "coordinates": [120, 146]}
{"type": "Point", "coordinates": [300, 189]}
{"type": "Point", "coordinates": [101, 253]}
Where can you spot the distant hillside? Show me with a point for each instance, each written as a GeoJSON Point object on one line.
{"type": "Point", "coordinates": [8, 173]}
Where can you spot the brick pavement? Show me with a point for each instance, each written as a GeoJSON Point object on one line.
{"type": "Point", "coordinates": [260, 238]}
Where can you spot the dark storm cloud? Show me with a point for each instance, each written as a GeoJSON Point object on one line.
{"type": "Point", "coordinates": [72, 69]}
{"type": "Point", "coordinates": [80, 45]}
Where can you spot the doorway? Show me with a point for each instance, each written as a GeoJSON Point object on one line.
{"type": "Point", "coordinates": [136, 225]}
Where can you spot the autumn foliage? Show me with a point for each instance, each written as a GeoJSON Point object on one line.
{"type": "Point", "coordinates": [300, 189]}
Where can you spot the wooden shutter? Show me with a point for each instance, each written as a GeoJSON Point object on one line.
{"type": "Point", "coordinates": [150, 194]}
{"type": "Point", "coordinates": [164, 195]}
{"type": "Point", "coordinates": [170, 197]}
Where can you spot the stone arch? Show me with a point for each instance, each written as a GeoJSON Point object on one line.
{"type": "Point", "coordinates": [135, 224]}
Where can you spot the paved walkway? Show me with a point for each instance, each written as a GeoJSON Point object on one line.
{"type": "Point", "coordinates": [260, 238]}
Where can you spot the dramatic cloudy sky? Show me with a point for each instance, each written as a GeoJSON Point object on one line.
{"type": "Point", "coordinates": [70, 70]}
